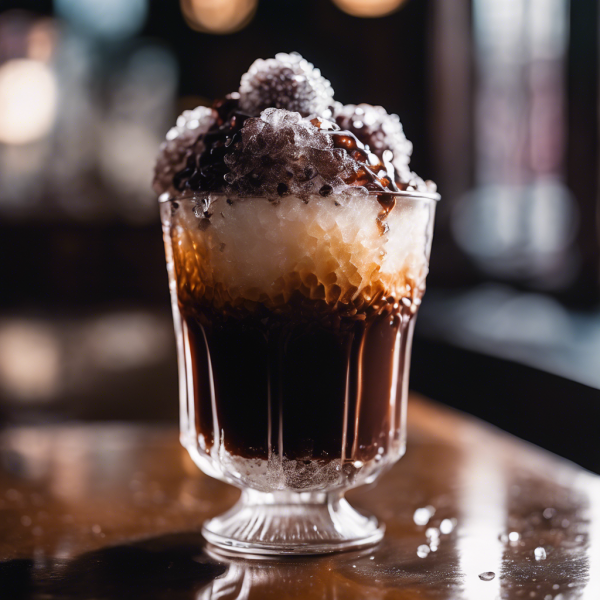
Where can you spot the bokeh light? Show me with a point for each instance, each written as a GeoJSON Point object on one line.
{"type": "Point", "coordinates": [104, 18]}
{"type": "Point", "coordinates": [218, 16]}
{"type": "Point", "coordinates": [28, 95]}
{"type": "Point", "coordinates": [30, 361]}
{"type": "Point", "coordinates": [119, 341]}
{"type": "Point", "coordinates": [42, 40]}
{"type": "Point", "coordinates": [369, 8]}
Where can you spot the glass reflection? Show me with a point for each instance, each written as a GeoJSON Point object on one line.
{"type": "Point", "coordinates": [483, 509]}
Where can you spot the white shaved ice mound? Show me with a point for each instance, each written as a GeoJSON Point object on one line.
{"type": "Point", "coordinates": [286, 81]}
{"type": "Point", "coordinates": [174, 151]}
{"type": "Point", "coordinates": [328, 249]}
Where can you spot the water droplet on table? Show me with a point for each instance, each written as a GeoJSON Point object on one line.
{"type": "Point", "coordinates": [422, 515]}
{"type": "Point", "coordinates": [423, 551]}
{"type": "Point", "coordinates": [447, 526]}
{"type": "Point", "coordinates": [539, 553]}
{"type": "Point", "coordinates": [487, 576]}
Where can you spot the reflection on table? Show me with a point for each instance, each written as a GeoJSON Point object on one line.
{"type": "Point", "coordinates": [114, 512]}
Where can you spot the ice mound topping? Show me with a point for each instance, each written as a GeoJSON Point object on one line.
{"type": "Point", "coordinates": [286, 81]}
{"type": "Point", "coordinates": [278, 192]}
{"type": "Point", "coordinates": [179, 145]}
{"type": "Point", "coordinates": [283, 154]}
{"type": "Point", "coordinates": [283, 133]}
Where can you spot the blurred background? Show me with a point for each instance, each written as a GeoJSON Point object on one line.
{"type": "Point", "coordinates": [499, 98]}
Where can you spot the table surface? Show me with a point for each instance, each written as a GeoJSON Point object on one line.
{"type": "Point", "coordinates": [114, 511]}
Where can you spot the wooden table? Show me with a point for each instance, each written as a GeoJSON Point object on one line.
{"type": "Point", "coordinates": [113, 511]}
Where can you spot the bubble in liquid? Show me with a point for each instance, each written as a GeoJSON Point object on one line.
{"type": "Point", "coordinates": [423, 551]}
{"type": "Point", "coordinates": [487, 576]}
{"type": "Point", "coordinates": [549, 513]}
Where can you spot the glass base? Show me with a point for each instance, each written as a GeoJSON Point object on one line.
{"type": "Point", "coordinates": [287, 523]}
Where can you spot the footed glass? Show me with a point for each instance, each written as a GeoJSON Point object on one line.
{"type": "Point", "coordinates": [294, 322]}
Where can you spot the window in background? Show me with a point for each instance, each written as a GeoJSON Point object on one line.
{"type": "Point", "coordinates": [520, 219]}
{"type": "Point", "coordinates": [511, 318]}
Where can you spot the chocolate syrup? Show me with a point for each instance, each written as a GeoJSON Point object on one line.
{"type": "Point", "coordinates": [371, 175]}
{"type": "Point", "coordinates": [291, 384]}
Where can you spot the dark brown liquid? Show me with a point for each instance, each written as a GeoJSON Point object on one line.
{"type": "Point", "coordinates": [296, 385]}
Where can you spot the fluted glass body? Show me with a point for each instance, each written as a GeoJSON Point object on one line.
{"type": "Point", "coordinates": [294, 323]}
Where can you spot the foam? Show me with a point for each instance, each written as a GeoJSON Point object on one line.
{"type": "Point", "coordinates": [253, 250]}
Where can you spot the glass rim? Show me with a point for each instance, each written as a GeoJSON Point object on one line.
{"type": "Point", "coordinates": [166, 197]}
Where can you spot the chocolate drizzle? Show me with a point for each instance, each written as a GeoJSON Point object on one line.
{"type": "Point", "coordinates": [388, 202]}
{"type": "Point", "coordinates": [371, 173]}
